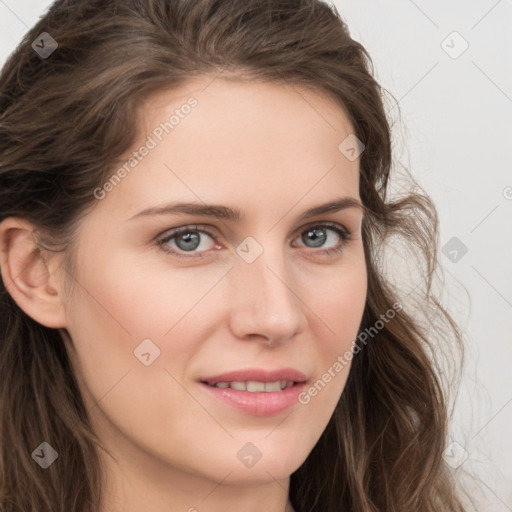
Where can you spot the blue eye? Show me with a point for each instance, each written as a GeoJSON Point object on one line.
{"type": "Point", "coordinates": [185, 239]}
{"type": "Point", "coordinates": [188, 239]}
{"type": "Point", "coordinates": [319, 234]}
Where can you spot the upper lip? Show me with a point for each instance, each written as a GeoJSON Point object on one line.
{"type": "Point", "coordinates": [258, 375]}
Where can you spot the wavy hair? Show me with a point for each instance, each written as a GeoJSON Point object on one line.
{"type": "Point", "coordinates": [64, 122]}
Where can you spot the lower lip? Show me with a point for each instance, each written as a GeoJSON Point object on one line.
{"type": "Point", "coordinates": [259, 403]}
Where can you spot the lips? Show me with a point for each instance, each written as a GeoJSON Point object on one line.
{"type": "Point", "coordinates": [256, 391]}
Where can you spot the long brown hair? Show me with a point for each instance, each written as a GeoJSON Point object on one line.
{"type": "Point", "coordinates": [66, 118]}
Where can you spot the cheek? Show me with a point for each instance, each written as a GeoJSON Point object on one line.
{"type": "Point", "coordinates": [340, 306]}
{"type": "Point", "coordinates": [145, 300]}
{"type": "Point", "coordinates": [120, 304]}
{"type": "Point", "coordinates": [338, 312]}
{"type": "Point", "coordinates": [109, 318]}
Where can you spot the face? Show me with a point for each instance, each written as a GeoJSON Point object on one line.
{"type": "Point", "coordinates": [187, 323]}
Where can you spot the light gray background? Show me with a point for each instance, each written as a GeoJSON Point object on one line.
{"type": "Point", "coordinates": [455, 136]}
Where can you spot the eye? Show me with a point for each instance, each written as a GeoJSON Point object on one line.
{"type": "Point", "coordinates": [319, 234]}
{"type": "Point", "coordinates": [187, 239]}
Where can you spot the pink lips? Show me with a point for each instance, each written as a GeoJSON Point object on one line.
{"type": "Point", "coordinates": [257, 403]}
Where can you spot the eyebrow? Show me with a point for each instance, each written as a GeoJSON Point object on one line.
{"type": "Point", "coordinates": [234, 215]}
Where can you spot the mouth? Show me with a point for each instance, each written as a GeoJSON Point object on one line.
{"type": "Point", "coordinates": [255, 391]}
{"type": "Point", "coordinates": [253, 386]}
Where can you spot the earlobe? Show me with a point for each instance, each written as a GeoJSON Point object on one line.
{"type": "Point", "coordinates": [26, 275]}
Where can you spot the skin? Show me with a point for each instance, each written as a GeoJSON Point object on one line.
{"type": "Point", "coordinates": [272, 152]}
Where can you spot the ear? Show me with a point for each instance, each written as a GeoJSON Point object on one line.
{"type": "Point", "coordinates": [31, 282]}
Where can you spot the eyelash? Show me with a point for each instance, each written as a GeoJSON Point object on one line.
{"type": "Point", "coordinates": [344, 234]}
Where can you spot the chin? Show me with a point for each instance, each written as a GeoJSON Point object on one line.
{"type": "Point", "coordinates": [277, 467]}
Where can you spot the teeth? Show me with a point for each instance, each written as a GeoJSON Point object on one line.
{"type": "Point", "coordinates": [255, 386]}
{"type": "Point", "coordinates": [273, 386]}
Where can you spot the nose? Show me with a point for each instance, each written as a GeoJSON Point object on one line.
{"type": "Point", "coordinates": [264, 302]}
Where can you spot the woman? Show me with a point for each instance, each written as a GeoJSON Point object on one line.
{"type": "Point", "coordinates": [196, 313]}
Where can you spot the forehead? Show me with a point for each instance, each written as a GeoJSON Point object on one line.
{"type": "Point", "coordinates": [230, 101]}
{"type": "Point", "coordinates": [216, 138]}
